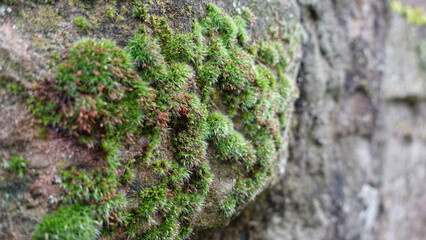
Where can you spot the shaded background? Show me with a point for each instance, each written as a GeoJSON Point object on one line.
{"type": "Point", "coordinates": [357, 168]}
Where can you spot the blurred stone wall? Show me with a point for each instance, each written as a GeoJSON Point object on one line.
{"type": "Point", "coordinates": [357, 168]}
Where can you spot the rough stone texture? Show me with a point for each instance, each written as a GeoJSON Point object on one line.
{"type": "Point", "coordinates": [358, 159]}
{"type": "Point", "coordinates": [403, 195]}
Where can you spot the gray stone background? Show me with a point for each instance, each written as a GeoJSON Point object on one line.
{"type": "Point", "coordinates": [357, 168]}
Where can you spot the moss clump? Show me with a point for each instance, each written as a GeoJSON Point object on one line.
{"type": "Point", "coordinates": [95, 77]}
{"type": "Point", "coordinates": [265, 79]}
{"type": "Point", "coordinates": [172, 89]}
{"type": "Point", "coordinates": [14, 88]}
{"type": "Point", "coordinates": [140, 11]}
{"type": "Point", "coordinates": [182, 47]}
{"type": "Point", "coordinates": [97, 188]}
{"type": "Point", "coordinates": [234, 75]}
{"type": "Point", "coordinates": [145, 51]}
{"type": "Point", "coordinates": [249, 16]}
{"type": "Point", "coordinates": [178, 74]}
{"type": "Point", "coordinates": [17, 165]}
{"type": "Point", "coordinates": [219, 21]}
{"type": "Point", "coordinates": [75, 222]}
{"type": "Point", "coordinates": [242, 36]}
{"type": "Point", "coordinates": [208, 77]}
{"type": "Point", "coordinates": [110, 11]}
{"type": "Point", "coordinates": [230, 145]}
{"type": "Point", "coordinates": [82, 23]}
{"type": "Point", "coordinates": [268, 54]}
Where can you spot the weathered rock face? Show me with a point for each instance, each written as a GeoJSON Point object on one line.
{"type": "Point", "coordinates": [357, 165]}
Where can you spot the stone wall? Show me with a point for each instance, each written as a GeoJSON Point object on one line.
{"type": "Point", "coordinates": [358, 156]}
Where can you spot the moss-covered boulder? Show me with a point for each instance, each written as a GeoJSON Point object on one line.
{"type": "Point", "coordinates": [143, 119]}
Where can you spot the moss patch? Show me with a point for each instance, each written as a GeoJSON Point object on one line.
{"type": "Point", "coordinates": [82, 23]}
{"type": "Point", "coordinates": [75, 221]}
{"type": "Point", "coordinates": [17, 165]}
{"type": "Point", "coordinates": [414, 15]}
{"type": "Point", "coordinates": [175, 90]}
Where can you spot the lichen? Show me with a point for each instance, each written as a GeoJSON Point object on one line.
{"type": "Point", "coordinates": [38, 19]}
{"type": "Point", "coordinates": [414, 15]}
{"type": "Point", "coordinates": [175, 89]}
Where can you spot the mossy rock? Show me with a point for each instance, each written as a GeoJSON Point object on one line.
{"type": "Point", "coordinates": [183, 110]}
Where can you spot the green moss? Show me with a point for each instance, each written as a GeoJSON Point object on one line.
{"type": "Point", "coordinates": [160, 26]}
{"type": "Point", "coordinates": [242, 35]}
{"type": "Point", "coordinates": [236, 78]}
{"type": "Point", "coordinates": [140, 11]}
{"type": "Point", "coordinates": [230, 145]}
{"type": "Point", "coordinates": [249, 16]}
{"type": "Point", "coordinates": [119, 18]}
{"type": "Point", "coordinates": [268, 54]}
{"type": "Point", "coordinates": [181, 47]}
{"type": "Point", "coordinates": [208, 78]}
{"type": "Point", "coordinates": [128, 172]}
{"type": "Point", "coordinates": [68, 222]}
{"type": "Point", "coordinates": [82, 23]}
{"type": "Point", "coordinates": [145, 51]}
{"type": "Point", "coordinates": [14, 88]}
{"type": "Point", "coordinates": [90, 202]}
{"type": "Point", "coordinates": [44, 18]}
{"type": "Point", "coordinates": [265, 79]}
{"type": "Point", "coordinates": [17, 165]}
{"type": "Point", "coordinates": [167, 87]}
{"type": "Point", "coordinates": [283, 55]}
{"type": "Point", "coordinates": [218, 51]}
{"type": "Point", "coordinates": [110, 11]}
{"type": "Point", "coordinates": [178, 75]}
{"type": "Point", "coordinates": [96, 77]}
{"type": "Point", "coordinates": [219, 21]}
{"type": "Point", "coordinates": [414, 15]}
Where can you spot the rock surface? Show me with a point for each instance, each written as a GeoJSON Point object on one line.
{"type": "Point", "coordinates": [357, 164]}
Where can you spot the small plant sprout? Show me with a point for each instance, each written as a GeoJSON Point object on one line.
{"type": "Point", "coordinates": [17, 165]}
